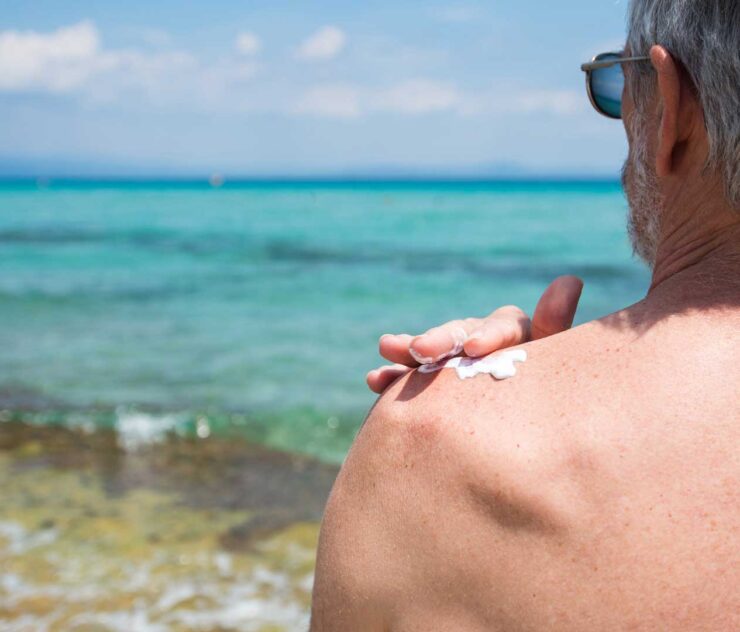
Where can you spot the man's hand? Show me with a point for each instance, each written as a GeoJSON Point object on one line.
{"type": "Point", "coordinates": [476, 337]}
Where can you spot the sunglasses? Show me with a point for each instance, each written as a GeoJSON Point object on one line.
{"type": "Point", "coordinates": [605, 82]}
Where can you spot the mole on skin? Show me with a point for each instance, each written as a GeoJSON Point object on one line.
{"type": "Point", "coordinates": [500, 365]}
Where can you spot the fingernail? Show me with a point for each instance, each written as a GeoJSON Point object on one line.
{"type": "Point", "coordinates": [459, 336]}
{"type": "Point", "coordinates": [420, 358]}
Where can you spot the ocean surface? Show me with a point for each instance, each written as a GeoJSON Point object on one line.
{"type": "Point", "coordinates": [254, 309]}
{"type": "Point", "coordinates": [182, 369]}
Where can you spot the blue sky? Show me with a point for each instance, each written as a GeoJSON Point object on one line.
{"type": "Point", "coordinates": [266, 87]}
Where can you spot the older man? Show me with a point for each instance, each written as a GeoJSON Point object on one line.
{"type": "Point", "coordinates": [598, 488]}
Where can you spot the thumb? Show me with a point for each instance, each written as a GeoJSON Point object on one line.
{"type": "Point", "coordinates": [557, 307]}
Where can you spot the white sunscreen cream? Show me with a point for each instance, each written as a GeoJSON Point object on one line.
{"type": "Point", "coordinates": [500, 365]}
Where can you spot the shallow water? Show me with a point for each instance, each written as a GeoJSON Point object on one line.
{"type": "Point", "coordinates": [206, 535]}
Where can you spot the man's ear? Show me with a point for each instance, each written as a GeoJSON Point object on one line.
{"type": "Point", "coordinates": [677, 110]}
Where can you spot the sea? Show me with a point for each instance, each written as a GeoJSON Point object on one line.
{"type": "Point", "coordinates": [149, 328]}
{"type": "Point", "coordinates": [255, 308]}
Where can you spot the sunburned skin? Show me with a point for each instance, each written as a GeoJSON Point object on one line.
{"type": "Point", "coordinates": [500, 365]}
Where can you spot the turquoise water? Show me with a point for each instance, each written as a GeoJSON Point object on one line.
{"type": "Point", "coordinates": [255, 308]}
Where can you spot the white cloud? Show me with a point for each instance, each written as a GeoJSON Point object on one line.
{"type": "Point", "coordinates": [323, 45]}
{"type": "Point", "coordinates": [56, 62]}
{"type": "Point", "coordinates": [174, 79]}
{"type": "Point", "coordinates": [508, 100]}
{"type": "Point", "coordinates": [418, 96]}
{"type": "Point", "coordinates": [331, 101]}
{"type": "Point", "coordinates": [248, 44]}
{"type": "Point", "coordinates": [155, 37]}
{"type": "Point", "coordinates": [456, 14]}
{"type": "Point", "coordinates": [72, 60]}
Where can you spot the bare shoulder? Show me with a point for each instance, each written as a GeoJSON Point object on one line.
{"type": "Point", "coordinates": [534, 427]}
{"type": "Point", "coordinates": [607, 460]}
{"type": "Point", "coordinates": [445, 483]}
{"type": "Point", "coordinates": [598, 393]}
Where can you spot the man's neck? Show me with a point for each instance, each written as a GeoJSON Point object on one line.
{"type": "Point", "coordinates": [701, 245]}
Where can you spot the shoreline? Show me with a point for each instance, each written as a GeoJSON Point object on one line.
{"type": "Point", "coordinates": [316, 435]}
{"type": "Point", "coordinates": [218, 533]}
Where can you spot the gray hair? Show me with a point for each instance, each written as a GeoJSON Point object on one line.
{"type": "Point", "coordinates": [704, 35]}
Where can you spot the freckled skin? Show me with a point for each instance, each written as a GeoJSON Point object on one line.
{"type": "Point", "coordinates": [596, 490]}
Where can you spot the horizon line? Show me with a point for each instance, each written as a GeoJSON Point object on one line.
{"type": "Point", "coordinates": [219, 179]}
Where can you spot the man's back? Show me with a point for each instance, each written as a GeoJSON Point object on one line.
{"type": "Point", "coordinates": [598, 489]}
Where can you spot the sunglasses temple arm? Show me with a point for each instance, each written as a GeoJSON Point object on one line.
{"type": "Point", "coordinates": [596, 65]}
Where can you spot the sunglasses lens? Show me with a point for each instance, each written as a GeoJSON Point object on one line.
{"type": "Point", "coordinates": [607, 85]}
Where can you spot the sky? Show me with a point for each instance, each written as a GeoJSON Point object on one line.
{"type": "Point", "coordinates": [278, 87]}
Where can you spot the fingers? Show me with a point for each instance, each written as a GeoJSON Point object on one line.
{"type": "Point", "coordinates": [442, 342]}
{"type": "Point", "coordinates": [506, 327]}
{"type": "Point", "coordinates": [380, 379]}
{"type": "Point", "coordinates": [557, 307]}
{"type": "Point", "coordinates": [396, 349]}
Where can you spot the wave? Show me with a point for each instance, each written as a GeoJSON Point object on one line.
{"type": "Point", "coordinates": [323, 434]}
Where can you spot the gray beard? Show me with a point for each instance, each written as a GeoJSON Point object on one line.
{"type": "Point", "coordinates": [640, 184]}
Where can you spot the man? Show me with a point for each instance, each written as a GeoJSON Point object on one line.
{"type": "Point", "coordinates": [598, 488]}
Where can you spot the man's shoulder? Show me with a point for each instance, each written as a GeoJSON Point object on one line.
{"type": "Point", "coordinates": [527, 448]}
{"type": "Point", "coordinates": [445, 482]}
{"type": "Point", "coordinates": [601, 407]}
{"type": "Point", "coordinates": [429, 486]}
{"type": "Point", "coordinates": [553, 389]}
{"type": "Point", "coordinates": [579, 464]}
{"type": "Point", "coordinates": [614, 372]}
